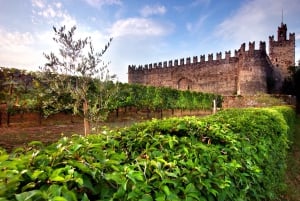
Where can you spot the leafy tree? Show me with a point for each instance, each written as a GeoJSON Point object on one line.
{"type": "Point", "coordinates": [12, 92]}
{"type": "Point", "coordinates": [291, 84]}
{"type": "Point", "coordinates": [295, 74]}
{"type": "Point", "coordinates": [72, 72]}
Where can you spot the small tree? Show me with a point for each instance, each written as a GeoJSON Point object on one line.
{"type": "Point", "coordinates": [74, 69]}
{"type": "Point", "coordinates": [291, 84]}
{"type": "Point", "coordinates": [13, 90]}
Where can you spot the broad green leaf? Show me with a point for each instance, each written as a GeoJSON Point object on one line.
{"type": "Point", "coordinates": [135, 176]}
{"type": "Point", "coordinates": [54, 190]}
{"type": "Point", "coordinates": [36, 174]}
{"type": "Point", "coordinates": [146, 197]}
{"type": "Point", "coordinates": [29, 195]}
{"type": "Point", "coordinates": [116, 177]}
{"type": "Point", "coordinates": [3, 157]}
{"type": "Point", "coordinates": [57, 178]}
{"type": "Point", "coordinates": [68, 194]}
{"type": "Point", "coordinates": [57, 198]}
{"type": "Point", "coordinates": [88, 183]}
{"type": "Point", "coordinates": [166, 190]}
{"type": "Point", "coordinates": [85, 197]}
{"type": "Point", "coordinates": [29, 185]}
{"type": "Point", "coordinates": [160, 197]}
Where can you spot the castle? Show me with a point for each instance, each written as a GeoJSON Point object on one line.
{"type": "Point", "coordinates": [247, 72]}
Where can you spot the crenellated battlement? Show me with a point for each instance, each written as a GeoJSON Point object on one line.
{"type": "Point", "coordinates": [292, 37]}
{"type": "Point", "coordinates": [247, 70]}
{"type": "Point", "coordinates": [251, 47]}
{"type": "Point", "coordinates": [184, 62]}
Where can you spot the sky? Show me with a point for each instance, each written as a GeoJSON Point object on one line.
{"type": "Point", "coordinates": [143, 31]}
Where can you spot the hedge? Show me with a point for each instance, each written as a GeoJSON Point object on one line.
{"type": "Point", "coordinates": [237, 154]}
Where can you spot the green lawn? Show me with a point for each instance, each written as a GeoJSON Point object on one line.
{"type": "Point", "coordinates": [293, 171]}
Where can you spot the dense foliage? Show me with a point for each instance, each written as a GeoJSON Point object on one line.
{"type": "Point", "coordinates": [233, 155]}
{"type": "Point", "coordinates": [154, 98]}
{"type": "Point", "coordinates": [291, 84]}
{"type": "Point", "coordinates": [27, 91]}
{"type": "Point", "coordinates": [70, 72]}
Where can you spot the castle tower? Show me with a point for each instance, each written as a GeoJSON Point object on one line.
{"type": "Point", "coordinates": [282, 51]}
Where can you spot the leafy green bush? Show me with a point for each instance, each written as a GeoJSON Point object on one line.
{"type": "Point", "coordinates": [233, 155]}
{"type": "Point", "coordinates": [150, 97]}
{"type": "Point", "coordinates": [31, 92]}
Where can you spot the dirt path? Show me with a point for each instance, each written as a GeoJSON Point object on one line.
{"type": "Point", "coordinates": [17, 136]}
{"type": "Point", "coordinates": [11, 138]}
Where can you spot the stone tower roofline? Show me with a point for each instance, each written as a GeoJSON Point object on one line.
{"type": "Point", "coordinates": [202, 60]}
{"type": "Point", "coordinates": [292, 37]}
{"type": "Point", "coordinates": [282, 34]}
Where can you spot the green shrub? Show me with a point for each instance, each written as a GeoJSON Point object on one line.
{"type": "Point", "coordinates": [233, 155]}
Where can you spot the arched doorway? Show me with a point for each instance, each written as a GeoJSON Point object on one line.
{"type": "Point", "coordinates": [184, 84]}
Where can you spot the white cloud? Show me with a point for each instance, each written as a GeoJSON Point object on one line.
{"type": "Point", "coordinates": [255, 19]}
{"type": "Point", "coordinates": [153, 10]}
{"type": "Point", "coordinates": [100, 3]}
{"type": "Point", "coordinates": [15, 39]}
{"type": "Point", "coordinates": [51, 13]}
{"type": "Point", "coordinates": [191, 5]}
{"type": "Point", "coordinates": [25, 50]}
{"type": "Point", "coordinates": [244, 24]}
{"type": "Point", "coordinates": [125, 51]}
{"type": "Point", "coordinates": [48, 13]}
{"type": "Point", "coordinates": [38, 3]}
{"type": "Point", "coordinates": [58, 5]}
{"type": "Point", "coordinates": [68, 21]}
{"type": "Point", "coordinates": [139, 27]}
{"type": "Point", "coordinates": [195, 27]}
{"type": "Point", "coordinates": [18, 50]}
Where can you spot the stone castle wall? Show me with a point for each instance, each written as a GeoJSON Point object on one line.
{"type": "Point", "coordinates": [244, 73]}
{"type": "Point", "coordinates": [228, 76]}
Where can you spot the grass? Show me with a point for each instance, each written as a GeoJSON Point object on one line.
{"type": "Point", "coordinates": [293, 169]}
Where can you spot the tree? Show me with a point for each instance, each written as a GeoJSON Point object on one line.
{"type": "Point", "coordinates": [74, 69]}
{"type": "Point", "coordinates": [13, 90]}
{"type": "Point", "coordinates": [296, 81]}
{"type": "Point", "coordinates": [291, 84]}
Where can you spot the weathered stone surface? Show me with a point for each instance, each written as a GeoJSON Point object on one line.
{"type": "Point", "coordinates": [246, 72]}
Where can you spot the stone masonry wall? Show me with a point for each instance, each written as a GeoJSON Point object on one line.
{"type": "Point", "coordinates": [244, 72]}
{"type": "Point", "coordinates": [282, 53]}
{"type": "Point", "coordinates": [247, 72]}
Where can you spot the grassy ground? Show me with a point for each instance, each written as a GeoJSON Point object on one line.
{"type": "Point", "coordinates": [293, 171]}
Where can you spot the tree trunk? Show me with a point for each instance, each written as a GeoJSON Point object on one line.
{"type": "Point", "coordinates": [148, 113]}
{"type": "Point", "coordinates": [8, 118]}
{"type": "Point", "coordinates": [117, 112]}
{"type": "Point", "coordinates": [85, 118]}
{"type": "Point", "coordinates": [40, 116]}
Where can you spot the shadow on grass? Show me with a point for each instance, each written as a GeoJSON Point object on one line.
{"type": "Point", "coordinates": [293, 169]}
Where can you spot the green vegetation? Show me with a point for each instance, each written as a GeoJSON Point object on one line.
{"type": "Point", "coordinates": [237, 154]}
{"type": "Point", "coordinates": [293, 170]}
{"type": "Point", "coordinates": [158, 98]}
{"type": "Point", "coordinates": [69, 74]}
{"type": "Point", "coordinates": [16, 91]}
{"type": "Point", "coordinates": [103, 97]}
{"type": "Point", "coordinates": [291, 84]}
